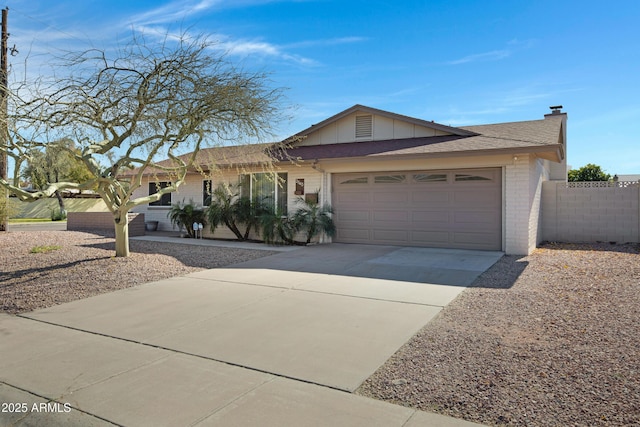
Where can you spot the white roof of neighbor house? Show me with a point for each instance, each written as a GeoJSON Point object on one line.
{"type": "Point", "coordinates": [632, 177]}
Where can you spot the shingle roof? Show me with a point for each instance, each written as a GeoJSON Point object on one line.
{"type": "Point", "coordinates": [543, 137]}
{"type": "Point", "coordinates": [538, 132]}
{"type": "Point", "coordinates": [539, 136]}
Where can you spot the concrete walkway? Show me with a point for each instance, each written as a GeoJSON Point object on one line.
{"type": "Point", "coordinates": [281, 340]}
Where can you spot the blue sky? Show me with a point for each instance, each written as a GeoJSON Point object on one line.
{"type": "Point", "coordinates": [454, 62]}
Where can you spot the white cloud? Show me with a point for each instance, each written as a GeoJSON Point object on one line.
{"type": "Point", "coordinates": [244, 48]}
{"type": "Point", "coordinates": [174, 11]}
{"type": "Point", "coordinates": [494, 55]}
{"type": "Point", "coordinates": [326, 42]}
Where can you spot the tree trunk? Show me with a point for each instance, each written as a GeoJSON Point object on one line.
{"type": "Point", "coordinates": [60, 202]}
{"type": "Point", "coordinates": [122, 234]}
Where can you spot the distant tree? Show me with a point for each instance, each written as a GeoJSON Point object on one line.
{"type": "Point", "coordinates": [54, 165]}
{"type": "Point", "coordinates": [590, 172]}
{"type": "Point", "coordinates": [129, 110]}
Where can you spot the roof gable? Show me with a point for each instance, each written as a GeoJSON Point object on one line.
{"type": "Point", "coordinates": [360, 123]}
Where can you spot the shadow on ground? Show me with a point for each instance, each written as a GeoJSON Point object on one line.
{"type": "Point", "coordinates": [627, 248]}
{"type": "Point", "coordinates": [29, 273]}
{"type": "Point", "coordinates": [448, 267]}
{"type": "Point", "coordinates": [197, 256]}
{"type": "Point", "coordinates": [503, 274]}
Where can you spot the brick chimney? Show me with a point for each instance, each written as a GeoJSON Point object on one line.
{"type": "Point", "coordinates": [558, 171]}
{"type": "Point", "coordinates": [556, 110]}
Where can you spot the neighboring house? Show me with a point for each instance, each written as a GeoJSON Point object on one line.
{"type": "Point", "coordinates": [398, 180]}
{"type": "Point", "coordinates": [628, 178]}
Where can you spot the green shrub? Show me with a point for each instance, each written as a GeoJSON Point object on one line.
{"type": "Point", "coordinates": [277, 228]}
{"type": "Point", "coordinates": [239, 214]}
{"type": "Point", "coordinates": [185, 215]}
{"type": "Point", "coordinates": [44, 249]}
{"type": "Point", "coordinates": [58, 214]}
{"type": "Point", "coordinates": [7, 206]}
{"type": "Point", "coordinates": [311, 219]}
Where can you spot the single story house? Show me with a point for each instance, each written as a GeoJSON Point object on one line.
{"type": "Point", "coordinates": [398, 180]}
{"type": "Point", "coordinates": [628, 177]}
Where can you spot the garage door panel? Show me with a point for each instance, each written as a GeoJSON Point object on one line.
{"type": "Point", "coordinates": [425, 237]}
{"type": "Point", "coordinates": [394, 216]}
{"type": "Point", "coordinates": [379, 197]}
{"type": "Point", "coordinates": [353, 197]}
{"type": "Point", "coordinates": [354, 234]}
{"type": "Point", "coordinates": [477, 198]}
{"type": "Point", "coordinates": [352, 216]}
{"type": "Point", "coordinates": [428, 197]}
{"type": "Point", "coordinates": [454, 208]}
{"type": "Point", "coordinates": [489, 219]}
{"type": "Point", "coordinates": [475, 239]}
{"type": "Point", "coordinates": [435, 217]}
{"type": "Point", "coordinates": [390, 236]}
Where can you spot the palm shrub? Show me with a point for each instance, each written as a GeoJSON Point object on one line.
{"type": "Point", "coordinates": [277, 228]}
{"type": "Point", "coordinates": [185, 215]}
{"type": "Point", "coordinates": [58, 214]}
{"type": "Point", "coordinates": [239, 214]}
{"type": "Point", "coordinates": [313, 219]}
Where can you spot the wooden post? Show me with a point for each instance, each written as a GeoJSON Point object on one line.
{"type": "Point", "coordinates": [4, 220]}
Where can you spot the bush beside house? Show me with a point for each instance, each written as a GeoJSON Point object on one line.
{"type": "Point", "coordinates": [241, 215]}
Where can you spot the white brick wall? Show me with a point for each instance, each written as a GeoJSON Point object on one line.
{"type": "Point", "coordinates": [518, 203]}
{"type": "Point", "coordinates": [538, 174]}
{"type": "Point", "coordinates": [590, 214]}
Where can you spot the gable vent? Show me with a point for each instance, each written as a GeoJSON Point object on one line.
{"type": "Point", "coordinates": [364, 126]}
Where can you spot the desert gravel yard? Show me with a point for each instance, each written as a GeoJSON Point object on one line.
{"type": "Point", "coordinates": [552, 339]}
{"type": "Point", "coordinates": [71, 265]}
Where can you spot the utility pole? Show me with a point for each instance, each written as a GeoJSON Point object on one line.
{"type": "Point", "coordinates": [4, 220]}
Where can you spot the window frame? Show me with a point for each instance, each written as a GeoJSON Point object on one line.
{"type": "Point", "coordinates": [165, 199]}
{"type": "Point", "coordinates": [280, 182]}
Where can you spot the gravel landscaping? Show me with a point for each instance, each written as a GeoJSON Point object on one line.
{"type": "Point", "coordinates": [551, 339]}
{"type": "Point", "coordinates": [71, 265]}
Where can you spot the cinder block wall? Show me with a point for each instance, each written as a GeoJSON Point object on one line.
{"type": "Point", "coordinates": [518, 202]}
{"type": "Point", "coordinates": [91, 221]}
{"type": "Point", "coordinates": [590, 214]}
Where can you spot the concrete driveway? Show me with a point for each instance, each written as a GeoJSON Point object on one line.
{"type": "Point", "coordinates": [279, 340]}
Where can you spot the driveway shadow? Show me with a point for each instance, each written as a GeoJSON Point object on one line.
{"type": "Point", "coordinates": [197, 256]}
{"type": "Point", "coordinates": [450, 267]}
{"type": "Point", "coordinates": [628, 248]}
{"type": "Point", "coordinates": [503, 274]}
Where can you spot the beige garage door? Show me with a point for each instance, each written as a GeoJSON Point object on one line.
{"type": "Point", "coordinates": [448, 209]}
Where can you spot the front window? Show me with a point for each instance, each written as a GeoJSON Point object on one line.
{"type": "Point", "coordinates": [269, 188]}
{"type": "Point", "coordinates": [154, 187]}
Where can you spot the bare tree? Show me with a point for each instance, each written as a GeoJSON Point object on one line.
{"type": "Point", "coordinates": [128, 111]}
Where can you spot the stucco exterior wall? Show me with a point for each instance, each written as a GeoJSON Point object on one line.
{"type": "Point", "coordinates": [193, 186]}
{"type": "Point", "coordinates": [590, 214]}
{"type": "Point", "coordinates": [344, 130]}
{"type": "Point", "coordinates": [523, 178]}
